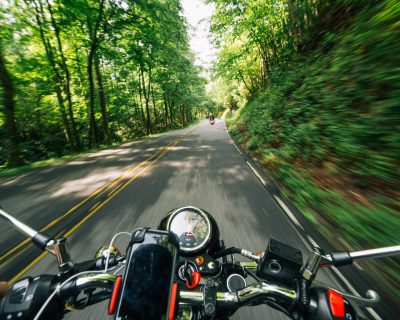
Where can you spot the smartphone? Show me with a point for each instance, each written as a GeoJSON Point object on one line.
{"type": "Point", "coordinates": [149, 276]}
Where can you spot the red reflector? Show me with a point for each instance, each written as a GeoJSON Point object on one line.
{"type": "Point", "coordinates": [172, 301]}
{"type": "Point", "coordinates": [114, 296]}
{"type": "Point", "coordinates": [337, 303]}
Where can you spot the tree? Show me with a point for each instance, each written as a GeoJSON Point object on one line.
{"type": "Point", "coordinates": [14, 158]}
{"type": "Point", "coordinates": [92, 72]}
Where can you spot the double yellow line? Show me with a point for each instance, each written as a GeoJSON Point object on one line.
{"type": "Point", "coordinates": [143, 165]}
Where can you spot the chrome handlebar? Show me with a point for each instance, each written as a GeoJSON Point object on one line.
{"type": "Point", "coordinates": [259, 291]}
{"type": "Point", "coordinates": [95, 281]}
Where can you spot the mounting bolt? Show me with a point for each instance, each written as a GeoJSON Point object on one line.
{"type": "Point", "coordinates": [210, 283]}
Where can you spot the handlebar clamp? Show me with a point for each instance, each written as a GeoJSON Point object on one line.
{"type": "Point", "coordinates": [210, 298]}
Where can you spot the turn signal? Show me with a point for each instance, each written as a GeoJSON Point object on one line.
{"type": "Point", "coordinates": [336, 303]}
{"type": "Point", "coordinates": [199, 260]}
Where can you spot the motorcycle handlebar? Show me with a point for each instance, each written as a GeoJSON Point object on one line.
{"type": "Point", "coordinates": [259, 291]}
{"type": "Point", "coordinates": [250, 294]}
{"type": "Point", "coordinates": [86, 282]}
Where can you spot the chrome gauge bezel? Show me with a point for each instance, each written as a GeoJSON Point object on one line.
{"type": "Point", "coordinates": [207, 239]}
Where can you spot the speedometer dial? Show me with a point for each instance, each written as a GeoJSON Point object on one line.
{"type": "Point", "coordinates": [192, 227]}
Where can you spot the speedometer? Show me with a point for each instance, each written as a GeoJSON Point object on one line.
{"type": "Point", "coordinates": [193, 228]}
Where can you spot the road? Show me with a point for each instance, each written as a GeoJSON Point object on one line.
{"type": "Point", "coordinates": [91, 198]}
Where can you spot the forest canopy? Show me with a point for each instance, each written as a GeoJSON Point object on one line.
{"type": "Point", "coordinates": [75, 75]}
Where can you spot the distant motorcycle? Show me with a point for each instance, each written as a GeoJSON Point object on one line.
{"type": "Point", "coordinates": [183, 270]}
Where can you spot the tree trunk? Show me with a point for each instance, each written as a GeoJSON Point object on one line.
{"type": "Point", "coordinates": [133, 97]}
{"type": "Point", "coordinates": [171, 114]}
{"type": "Point", "coordinates": [14, 158]}
{"type": "Point", "coordinates": [183, 120]}
{"type": "Point", "coordinates": [146, 98]}
{"type": "Point", "coordinates": [293, 25]}
{"type": "Point", "coordinates": [165, 111]}
{"type": "Point", "coordinates": [141, 102]}
{"type": "Point", "coordinates": [154, 106]}
{"type": "Point", "coordinates": [95, 40]}
{"type": "Point", "coordinates": [93, 134]}
{"type": "Point", "coordinates": [56, 76]}
{"type": "Point", "coordinates": [102, 99]}
{"type": "Point", "coordinates": [67, 85]}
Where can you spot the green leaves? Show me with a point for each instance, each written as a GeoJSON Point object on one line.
{"type": "Point", "coordinates": [103, 46]}
{"type": "Point", "coordinates": [327, 123]}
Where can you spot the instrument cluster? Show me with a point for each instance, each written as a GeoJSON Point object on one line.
{"type": "Point", "coordinates": [195, 229]}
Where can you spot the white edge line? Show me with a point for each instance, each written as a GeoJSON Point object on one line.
{"type": "Point", "coordinates": [288, 212]}
{"type": "Point", "coordinates": [299, 234]}
{"type": "Point", "coordinates": [313, 242]}
{"type": "Point", "coordinates": [248, 163]}
{"type": "Point", "coordinates": [233, 142]}
{"type": "Point", "coordinates": [358, 266]}
{"type": "Point", "coordinates": [240, 152]}
{"type": "Point", "coordinates": [256, 173]}
{"type": "Point", "coordinates": [346, 282]}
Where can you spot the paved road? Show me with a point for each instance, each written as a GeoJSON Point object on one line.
{"type": "Point", "coordinates": [197, 166]}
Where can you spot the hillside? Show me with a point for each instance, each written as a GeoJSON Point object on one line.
{"type": "Point", "coordinates": [327, 129]}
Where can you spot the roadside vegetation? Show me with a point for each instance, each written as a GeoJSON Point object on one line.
{"type": "Point", "coordinates": [316, 86]}
{"type": "Point", "coordinates": [76, 75]}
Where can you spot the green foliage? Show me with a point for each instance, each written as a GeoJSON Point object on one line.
{"type": "Point", "coordinates": [327, 125]}
{"type": "Point", "coordinates": [52, 49]}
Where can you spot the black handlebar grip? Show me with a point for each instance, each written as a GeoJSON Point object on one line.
{"type": "Point", "coordinates": [40, 240]}
{"type": "Point", "coordinates": [69, 290]}
{"type": "Point", "coordinates": [341, 258]}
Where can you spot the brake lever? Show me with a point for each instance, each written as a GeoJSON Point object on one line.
{"type": "Point", "coordinates": [371, 296]}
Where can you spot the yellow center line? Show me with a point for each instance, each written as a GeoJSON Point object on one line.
{"type": "Point", "coordinates": [14, 256]}
{"type": "Point", "coordinates": [40, 257]}
{"type": "Point", "coordinates": [95, 205]}
{"type": "Point", "coordinates": [15, 248]}
{"type": "Point", "coordinates": [99, 191]}
{"type": "Point", "coordinates": [119, 189]}
{"type": "Point", "coordinates": [102, 204]}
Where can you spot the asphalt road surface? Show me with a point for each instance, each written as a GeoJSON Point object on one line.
{"type": "Point", "coordinates": [91, 198]}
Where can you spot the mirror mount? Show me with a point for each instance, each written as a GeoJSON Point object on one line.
{"type": "Point", "coordinates": [57, 247]}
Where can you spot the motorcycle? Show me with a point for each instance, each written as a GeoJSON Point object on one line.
{"type": "Point", "coordinates": [182, 270]}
